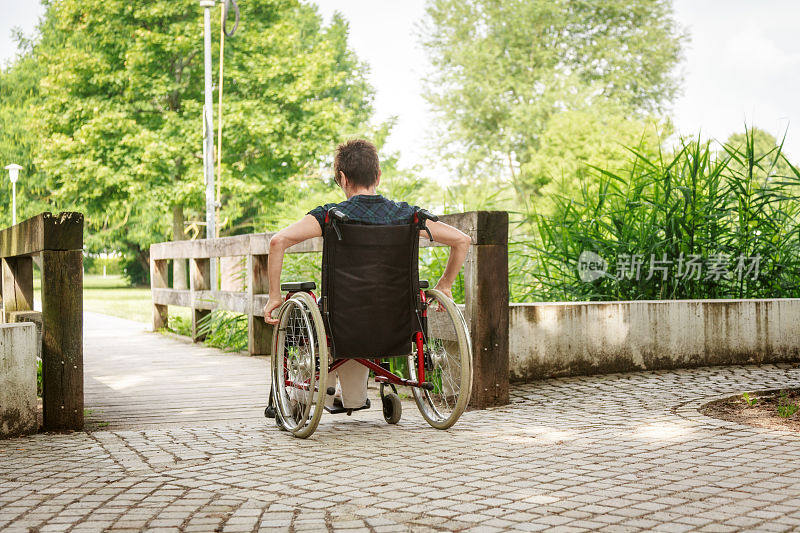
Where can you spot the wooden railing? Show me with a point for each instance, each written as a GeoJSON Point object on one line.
{"type": "Point", "coordinates": [59, 241]}
{"type": "Point", "coordinates": [485, 275]}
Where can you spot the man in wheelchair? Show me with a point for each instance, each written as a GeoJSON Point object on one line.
{"type": "Point", "coordinates": [373, 306]}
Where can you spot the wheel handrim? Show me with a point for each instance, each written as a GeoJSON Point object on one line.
{"type": "Point", "coordinates": [448, 350]}
{"type": "Point", "coordinates": [295, 368]}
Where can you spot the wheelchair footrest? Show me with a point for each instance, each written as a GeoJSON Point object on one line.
{"type": "Point", "coordinates": [338, 409]}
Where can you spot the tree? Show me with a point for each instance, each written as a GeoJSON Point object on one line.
{"type": "Point", "coordinates": [120, 105]}
{"type": "Point", "coordinates": [19, 90]}
{"type": "Point", "coordinates": [769, 160]}
{"type": "Point", "coordinates": [505, 69]}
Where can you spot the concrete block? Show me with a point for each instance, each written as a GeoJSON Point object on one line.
{"type": "Point", "coordinates": [34, 317]}
{"type": "Point", "coordinates": [582, 338]}
{"type": "Point", "coordinates": [17, 379]}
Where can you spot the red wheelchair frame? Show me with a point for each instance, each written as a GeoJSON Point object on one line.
{"type": "Point", "coordinates": [382, 375]}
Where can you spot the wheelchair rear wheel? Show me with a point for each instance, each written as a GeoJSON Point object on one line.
{"type": "Point", "coordinates": [300, 352]}
{"type": "Point", "coordinates": [448, 363]}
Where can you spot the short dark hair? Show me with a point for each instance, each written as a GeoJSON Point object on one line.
{"type": "Point", "coordinates": [358, 160]}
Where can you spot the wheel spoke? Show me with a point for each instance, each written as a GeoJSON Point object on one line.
{"type": "Point", "coordinates": [298, 356]}
{"type": "Point", "coordinates": [447, 349]}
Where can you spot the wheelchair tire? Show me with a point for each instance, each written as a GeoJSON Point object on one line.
{"type": "Point", "coordinates": [449, 351]}
{"type": "Point", "coordinates": [300, 351]}
{"type": "Point", "coordinates": [392, 408]}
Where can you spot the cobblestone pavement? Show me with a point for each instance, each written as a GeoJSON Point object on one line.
{"type": "Point", "coordinates": [624, 452]}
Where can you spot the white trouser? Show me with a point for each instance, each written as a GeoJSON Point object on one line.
{"type": "Point", "coordinates": [353, 378]}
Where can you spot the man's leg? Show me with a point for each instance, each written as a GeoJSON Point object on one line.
{"type": "Point", "coordinates": [353, 378]}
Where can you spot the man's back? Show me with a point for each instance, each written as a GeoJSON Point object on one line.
{"type": "Point", "coordinates": [368, 209]}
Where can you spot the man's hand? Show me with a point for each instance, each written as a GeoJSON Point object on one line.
{"type": "Point", "coordinates": [273, 303]}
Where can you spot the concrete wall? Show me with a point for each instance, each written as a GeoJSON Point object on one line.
{"type": "Point", "coordinates": [569, 339]}
{"type": "Point", "coordinates": [17, 379]}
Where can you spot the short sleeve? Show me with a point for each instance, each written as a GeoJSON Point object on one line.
{"type": "Point", "coordinates": [319, 213]}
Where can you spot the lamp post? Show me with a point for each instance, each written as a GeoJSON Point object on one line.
{"type": "Point", "coordinates": [13, 174]}
{"type": "Point", "coordinates": [208, 134]}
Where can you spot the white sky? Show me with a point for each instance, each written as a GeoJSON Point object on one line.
{"type": "Point", "coordinates": [743, 63]}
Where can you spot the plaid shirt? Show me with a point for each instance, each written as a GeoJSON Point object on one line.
{"type": "Point", "coordinates": [368, 209]}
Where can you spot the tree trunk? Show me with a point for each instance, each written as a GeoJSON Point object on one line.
{"type": "Point", "coordinates": [179, 274]}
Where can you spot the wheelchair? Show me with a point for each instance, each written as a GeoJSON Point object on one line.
{"type": "Point", "coordinates": [372, 309]}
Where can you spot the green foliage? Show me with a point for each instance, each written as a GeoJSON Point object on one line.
{"type": "Point", "coordinates": [109, 102]}
{"type": "Point", "coordinates": [94, 263]}
{"type": "Point", "coordinates": [763, 144]}
{"type": "Point", "coordinates": [574, 142]}
{"type": "Point", "coordinates": [715, 206]}
{"type": "Point", "coordinates": [180, 325]}
{"type": "Point", "coordinates": [786, 408]}
{"type": "Point", "coordinates": [751, 401]}
{"type": "Point", "coordinates": [224, 330]}
{"type": "Point", "coordinates": [38, 377]}
{"type": "Point", "coordinates": [505, 70]}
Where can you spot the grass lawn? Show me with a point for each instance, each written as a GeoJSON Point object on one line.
{"type": "Point", "coordinates": [112, 296]}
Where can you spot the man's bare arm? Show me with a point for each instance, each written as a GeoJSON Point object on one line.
{"type": "Point", "coordinates": [304, 229]}
{"type": "Point", "coordinates": [459, 243]}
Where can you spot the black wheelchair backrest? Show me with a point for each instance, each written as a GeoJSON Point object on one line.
{"type": "Point", "coordinates": [370, 288]}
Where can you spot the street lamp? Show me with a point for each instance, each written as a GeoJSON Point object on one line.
{"type": "Point", "coordinates": [208, 134]}
{"type": "Point", "coordinates": [13, 174]}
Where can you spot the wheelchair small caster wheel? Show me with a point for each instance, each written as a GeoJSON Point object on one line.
{"type": "Point", "coordinates": [269, 412]}
{"type": "Point", "coordinates": [392, 408]}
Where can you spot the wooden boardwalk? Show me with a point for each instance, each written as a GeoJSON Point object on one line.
{"type": "Point", "coordinates": [138, 379]}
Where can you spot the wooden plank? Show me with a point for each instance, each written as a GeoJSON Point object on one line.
{"type": "Point", "coordinates": [180, 269]}
{"type": "Point", "coordinates": [483, 227]}
{"type": "Point", "coordinates": [180, 298]}
{"type": "Point", "coordinates": [233, 273]}
{"type": "Point", "coordinates": [259, 334]}
{"type": "Point", "coordinates": [159, 280]}
{"type": "Point", "coordinates": [238, 245]}
{"type": "Point", "coordinates": [486, 290]}
{"type": "Point", "coordinates": [62, 339]}
{"type": "Point", "coordinates": [17, 285]}
{"type": "Point", "coordinates": [199, 280]}
{"type": "Point", "coordinates": [259, 302]}
{"type": "Point", "coordinates": [45, 231]}
{"type": "Point", "coordinates": [235, 302]}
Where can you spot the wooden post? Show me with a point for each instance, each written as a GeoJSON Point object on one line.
{"type": "Point", "coordinates": [199, 280]}
{"type": "Point", "coordinates": [62, 339]}
{"type": "Point", "coordinates": [178, 265]}
{"type": "Point", "coordinates": [486, 294]}
{"type": "Point", "coordinates": [17, 285]}
{"type": "Point", "coordinates": [259, 334]}
{"type": "Point", "coordinates": [159, 280]}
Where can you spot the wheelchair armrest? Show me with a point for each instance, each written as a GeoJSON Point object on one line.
{"type": "Point", "coordinates": [423, 284]}
{"type": "Point", "coordinates": [298, 286]}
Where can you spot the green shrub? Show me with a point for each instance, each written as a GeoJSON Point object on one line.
{"type": "Point", "coordinates": [224, 330]}
{"type": "Point", "coordinates": [728, 213]}
{"type": "Point", "coordinates": [180, 325]}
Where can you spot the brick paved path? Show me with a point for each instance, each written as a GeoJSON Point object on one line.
{"type": "Point", "coordinates": [624, 452]}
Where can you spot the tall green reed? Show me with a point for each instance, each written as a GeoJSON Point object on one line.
{"type": "Point", "coordinates": [725, 210]}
